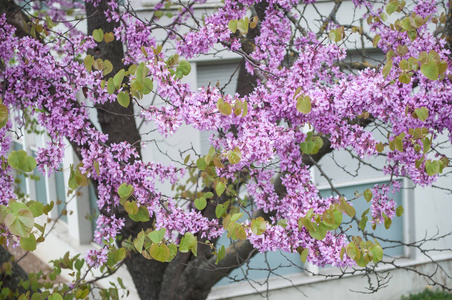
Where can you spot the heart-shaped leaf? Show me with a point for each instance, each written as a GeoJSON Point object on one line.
{"type": "Point", "coordinates": [20, 222]}
{"type": "Point", "coordinates": [430, 70]}
{"type": "Point", "coordinates": [98, 35]}
{"type": "Point", "coordinates": [157, 236]}
{"type": "Point", "coordinates": [200, 203]}
{"type": "Point", "coordinates": [125, 190]}
{"type": "Point", "coordinates": [160, 252]}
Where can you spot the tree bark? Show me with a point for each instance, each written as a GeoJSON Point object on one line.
{"type": "Point", "coordinates": [18, 274]}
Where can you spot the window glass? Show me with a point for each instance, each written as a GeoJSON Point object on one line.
{"type": "Point", "coordinates": [61, 194]}
{"type": "Point", "coordinates": [211, 74]}
{"type": "Point", "coordinates": [395, 232]}
{"type": "Point", "coordinates": [40, 185]}
{"type": "Point", "coordinates": [94, 210]}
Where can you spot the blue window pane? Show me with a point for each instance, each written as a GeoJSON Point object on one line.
{"type": "Point", "coordinates": [263, 265]}
{"type": "Point", "coordinates": [94, 210]}
{"type": "Point", "coordinates": [61, 194]}
{"type": "Point", "coordinates": [395, 232]}
{"type": "Point", "coordinates": [40, 185]}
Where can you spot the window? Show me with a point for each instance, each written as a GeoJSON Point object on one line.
{"type": "Point", "coordinates": [395, 232]}
{"type": "Point", "coordinates": [263, 265]}
{"type": "Point", "coordinates": [61, 194]}
{"type": "Point", "coordinates": [40, 185]}
{"type": "Point", "coordinates": [93, 209]}
{"type": "Point", "coordinates": [227, 75]}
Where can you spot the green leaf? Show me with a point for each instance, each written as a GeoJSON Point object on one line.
{"type": "Point", "coordinates": [78, 264]}
{"type": "Point", "coordinates": [98, 35]}
{"type": "Point", "coordinates": [318, 141]}
{"type": "Point", "coordinates": [258, 226]}
{"type": "Point", "coordinates": [421, 113]}
{"type": "Point", "coordinates": [245, 109]}
{"type": "Point", "coordinates": [305, 222]}
{"type": "Point", "coordinates": [28, 243]}
{"type": "Point", "coordinates": [49, 22]}
{"type": "Point", "coordinates": [353, 251]}
{"type": "Point", "coordinates": [125, 190]}
{"type": "Point", "coordinates": [235, 156]}
{"type": "Point", "coordinates": [219, 188]}
{"type": "Point", "coordinates": [208, 195]}
{"type": "Point", "coordinates": [17, 159]}
{"type": "Point", "coordinates": [243, 26]}
{"type": "Point", "coordinates": [36, 207]}
{"type": "Point", "coordinates": [405, 78]}
{"type": "Point", "coordinates": [239, 232]}
{"type": "Point", "coordinates": [341, 255]}
{"type": "Point", "coordinates": [81, 294]}
{"type": "Point", "coordinates": [185, 67]}
{"type": "Point", "coordinates": [368, 195]}
{"type": "Point", "coordinates": [399, 211]}
{"type": "Point", "coordinates": [119, 77]}
{"type": "Point", "coordinates": [158, 14]}
{"type": "Point", "coordinates": [362, 224]}
{"type": "Point", "coordinates": [20, 222]}
{"type": "Point", "coordinates": [391, 7]}
{"type": "Point", "coordinates": [320, 231]}
{"type": "Point", "coordinates": [377, 252]}
{"type": "Point", "coordinates": [387, 68]}
{"type": "Point", "coordinates": [157, 236]}
{"type": "Point", "coordinates": [442, 66]}
{"type": "Point", "coordinates": [173, 252]}
{"type": "Point", "coordinates": [107, 67]}
{"type": "Point", "coordinates": [183, 245]}
{"type": "Point", "coordinates": [56, 296]}
{"type": "Point", "coordinates": [337, 217]}
{"type": "Point", "coordinates": [376, 40]}
{"type": "Point", "coordinates": [139, 242]}
{"type": "Point", "coordinates": [432, 167]}
{"type": "Point", "coordinates": [224, 107]}
{"type": "Point", "coordinates": [308, 147]}
{"type": "Point", "coordinates": [200, 203]}
{"type": "Point", "coordinates": [72, 182]}
{"type": "Point", "coordinates": [110, 86]}
{"type": "Point", "coordinates": [131, 207]}
{"type": "Point", "coordinates": [201, 163]}
{"type": "Point", "coordinates": [328, 219]}
{"type": "Point", "coordinates": [427, 144]}
{"type": "Point", "coordinates": [304, 104]}
{"type": "Point", "coordinates": [430, 70]}
{"type": "Point", "coordinates": [304, 255]}
{"type": "Point", "coordinates": [347, 208]}
{"type": "Point", "coordinates": [190, 242]}
{"type": "Point", "coordinates": [220, 210]}
{"type": "Point", "coordinates": [232, 25]}
{"type": "Point", "coordinates": [141, 216]}
{"type": "Point", "coordinates": [148, 86]}
{"type": "Point", "coordinates": [29, 165]}
{"type": "Point", "coordinates": [124, 99]}
{"type": "Point", "coordinates": [398, 144]}
{"type": "Point", "coordinates": [388, 222]}
{"type": "Point", "coordinates": [88, 62]}
{"type": "Point", "coordinates": [135, 85]}
{"type": "Point", "coordinates": [141, 73]}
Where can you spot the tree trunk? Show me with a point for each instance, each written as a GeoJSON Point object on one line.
{"type": "Point", "coordinates": [18, 274]}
